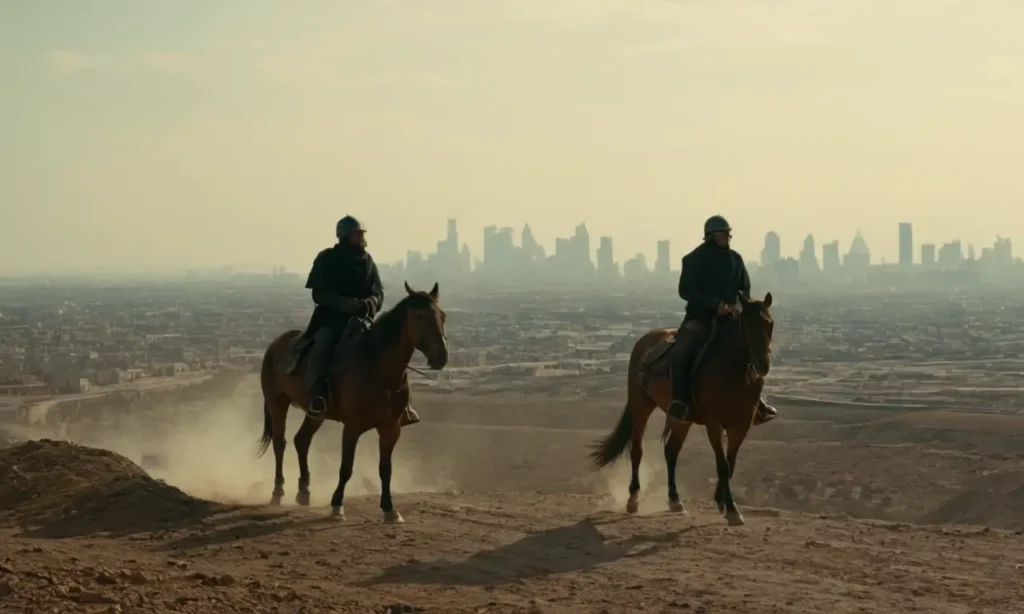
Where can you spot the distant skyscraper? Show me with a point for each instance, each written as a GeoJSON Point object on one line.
{"type": "Point", "coordinates": [951, 255]}
{"type": "Point", "coordinates": [858, 259]}
{"type": "Point", "coordinates": [928, 254]}
{"type": "Point", "coordinates": [772, 251]}
{"type": "Point", "coordinates": [906, 244]}
{"type": "Point", "coordinates": [830, 263]}
{"type": "Point", "coordinates": [809, 257]}
{"type": "Point", "coordinates": [636, 267]}
{"type": "Point", "coordinates": [662, 265]}
{"type": "Point", "coordinates": [606, 258]}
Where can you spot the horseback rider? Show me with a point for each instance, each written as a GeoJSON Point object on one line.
{"type": "Point", "coordinates": [712, 278]}
{"type": "Point", "coordinates": [347, 290]}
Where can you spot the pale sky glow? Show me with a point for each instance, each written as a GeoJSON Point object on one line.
{"type": "Point", "coordinates": [164, 134]}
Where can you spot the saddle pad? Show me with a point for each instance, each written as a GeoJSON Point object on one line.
{"type": "Point", "coordinates": [294, 353]}
{"type": "Point", "coordinates": [658, 360]}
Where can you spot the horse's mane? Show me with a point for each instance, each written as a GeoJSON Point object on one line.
{"type": "Point", "coordinates": [386, 330]}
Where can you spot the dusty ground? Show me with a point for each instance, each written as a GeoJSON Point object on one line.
{"type": "Point", "coordinates": [503, 515]}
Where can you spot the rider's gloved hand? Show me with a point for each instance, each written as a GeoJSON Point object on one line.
{"type": "Point", "coordinates": [366, 308]}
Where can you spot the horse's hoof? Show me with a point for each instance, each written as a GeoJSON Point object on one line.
{"type": "Point", "coordinates": [275, 500]}
{"type": "Point", "coordinates": [676, 507]}
{"type": "Point", "coordinates": [721, 507]}
{"type": "Point", "coordinates": [393, 517]}
{"type": "Point", "coordinates": [302, 498]}
{"type": "Point", "coordinates": [338, 513]}
{"type": "Point", "coordinates": [735, 519]}
{"type": "Point", "coordinates": [632, 507]}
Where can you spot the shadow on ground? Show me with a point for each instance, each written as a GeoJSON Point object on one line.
{"type": "Point", "coordinates": [571, 548]}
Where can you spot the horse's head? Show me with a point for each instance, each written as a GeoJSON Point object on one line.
{"type": "Point", "coordinates": [755, 328]}
{"type": "Point", "coordinates": [424, 321]}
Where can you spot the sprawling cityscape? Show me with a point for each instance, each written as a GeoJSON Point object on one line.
{"type": "Point", "coordinates": [573, 261]}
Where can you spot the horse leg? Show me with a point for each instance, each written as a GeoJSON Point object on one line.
{"type": "Point", "coordinates": [734, 437]}
{"type": "Point", "coordinates": [673, 444]}
{"type": "Point", "coordinates": [302, 441]}
{"type": "Point", "coordinates": [349, 439]}
{"type": "Point", "coordinates": [636, 455]}
{"type": "Point", "coordinates": [388, 437]}
{"type": "Point", "coordinates": [723, 491]}
{"type": "Point", "coordinates": [278, 416]}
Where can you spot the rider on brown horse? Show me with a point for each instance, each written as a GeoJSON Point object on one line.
{"type": "Point", "coordinates": [348, 292]}
{"type": "Point", "coordinates": [712, 278]}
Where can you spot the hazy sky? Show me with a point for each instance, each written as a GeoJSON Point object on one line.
{"type": "Point", "coordinates": [202, 132]}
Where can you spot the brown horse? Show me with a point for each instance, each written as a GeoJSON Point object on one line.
{"type": "Point", "coordinates": [370, 393]}
{"type": "Point", "coordinates": [726, 393]}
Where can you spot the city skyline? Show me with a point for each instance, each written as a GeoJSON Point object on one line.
{"type": "Point", "coordinates": [575, 258]}
{"type": "Point", "coordinates": [178, 135]}
{"type": "Point", "coordinates": [662, 257]}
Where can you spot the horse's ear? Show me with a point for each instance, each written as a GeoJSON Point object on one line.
{"type": "Point", "coordinates": [408, 289]}
{"type": "Point", "coordinates": [767, 300]}
{"type": "Point", "coordinates": [434, 291]}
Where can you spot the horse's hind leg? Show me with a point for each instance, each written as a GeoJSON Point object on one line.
{"type": "Point", "coordinates": [303, 439]}
{"type": "Point", "coordinates": [278, 408]}
{"type": "Point", "coordinates": [723, 493]}
{"type": "Point", "coordinates": [676, 435]}
{"type": "Point", "coordinates": [641, 410]}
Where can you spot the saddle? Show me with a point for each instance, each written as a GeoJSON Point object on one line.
{"type": "Point", "coordinates": [341, 351]}
{"type": "Point", "coordinates": [658, 360]}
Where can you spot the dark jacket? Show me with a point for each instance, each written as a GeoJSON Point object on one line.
{"type": "Point", "coordinates": [712, 275]}
{"type": "Point", "coordinates": [345, 271]}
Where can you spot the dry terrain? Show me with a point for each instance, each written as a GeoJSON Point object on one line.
{"type": "Point", "coordinates": [848, 510]}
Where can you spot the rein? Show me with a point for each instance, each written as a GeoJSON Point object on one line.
{"type": "Point", "coordinates": [420, 371]}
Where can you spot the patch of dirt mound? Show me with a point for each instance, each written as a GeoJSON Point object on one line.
{"type": "Point", "coordinates": [59, 489]}
{"type": "Point", "coordinates": [8, 439]}
{"type": "Point", "coordinates": [997, 501]}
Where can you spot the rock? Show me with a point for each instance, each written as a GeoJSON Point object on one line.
{"type": "Point", "coordinates": [7, 586]}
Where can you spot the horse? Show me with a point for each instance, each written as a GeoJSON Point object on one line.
{"type": "Point", "coordinates": [727, 388]}
{"type": "Point", "coordinates": [369, 393]}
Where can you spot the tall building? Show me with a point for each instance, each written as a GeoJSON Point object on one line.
{"type": "Point", "coordinates": [858, 259]}
{"type": "Point", "coordinates": [830, 263]}
{"type": "Point", "coordinates": [951, 255]}
{"type": "Point", "coordinates": [906, 244]}
{"type": "Point", "coordinates": [772, 251]}
{"type": "Point", "coordinates": [606, 259]}
{"type": "Point", "coordinates": [928, 254]}
{"type": "Point", "coordinates": [809, 257]}
{"type": "Point", "coordinates": [662, 265]}
{"type": "Point", "coordinates": [636, 267]}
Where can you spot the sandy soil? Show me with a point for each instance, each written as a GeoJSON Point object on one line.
{"type": "Point", "coordinates": [503, 515]}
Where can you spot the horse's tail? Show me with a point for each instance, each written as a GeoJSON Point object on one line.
{"type": "Point", "coordinates": [265, 438]}
{"type": "Point", "coordinates": [266, 383]}
{"type": "Point", "coordinates": [609, 449]}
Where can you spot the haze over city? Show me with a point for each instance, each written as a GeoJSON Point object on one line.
{"type": "Point", "coordinates": [175, 135]}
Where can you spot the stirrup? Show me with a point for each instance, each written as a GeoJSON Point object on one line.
{"type": "Point", "coordinates": [678, 411]}
{"type": "Point", "coordinates": [315, 413]}
{"type": "Point", "coordinates": [409, 416]}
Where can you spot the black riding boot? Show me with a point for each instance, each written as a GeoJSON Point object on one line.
{"type": "Point", "coordinates": [318, 400]}
{"type": "Point", "coordinates": [682, 395]}
{"type": "Point", "coordinates": [765, 413]}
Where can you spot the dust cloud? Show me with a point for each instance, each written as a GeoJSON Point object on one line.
{"type": "Point", "coordinates": [209, 450]}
